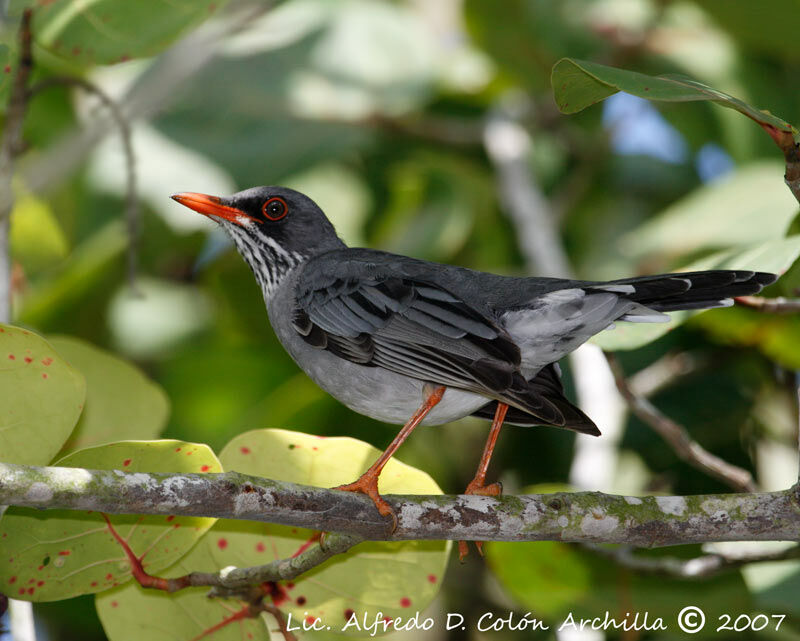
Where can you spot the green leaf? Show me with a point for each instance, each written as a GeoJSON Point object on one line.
{"type": "Point", "coordinates": [769, 26]}
{"type": "Point", "coordinates": [108, 31]}
{"type": "Point", "coordinates": [774, 585]}
{"type": "Point", "coordinates": [397, 579]}
{"type": "Point", "coordinates": [88, 264]}
{"type": "Point", "coordinates": [41, 398]}
{"type": "Point", "coordinates": [774, 256]}
{"type": "Point", "coordinates": [557, 581]}
{"type": "Point", "coordinates": [121, 402]}
{"type": "Point", "coordinates": [259, 126]}
{"type": "Point", "coordinates": [36, 238]}
{"type": "Point", "coordinates": [775, 335]}
{"type": "Point", "coordinates": [435, 200]}
{"type": "Point", "coordinates": [528, 36]}
{"type": "Point", "coordinates": [747, 206]}
{"type": "Point", "coordinates": [59, 554]}
{"type": "Point", "coordinates": [131, 612]}
{"type": "Point", "coordinates": [578, 84]}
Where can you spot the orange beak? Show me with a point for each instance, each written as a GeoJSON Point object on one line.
{"type": "Point", "coordinates": [212, 206]}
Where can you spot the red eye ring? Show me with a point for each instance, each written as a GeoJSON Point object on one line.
{"type": "Point", "coordinates": [275, 216]}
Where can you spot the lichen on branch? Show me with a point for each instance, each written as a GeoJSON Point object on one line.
{"type": "Point", "coordinates": [563, 516]}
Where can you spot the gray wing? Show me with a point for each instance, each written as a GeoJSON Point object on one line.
{"type": "Point", "coordinates": [367, 314]}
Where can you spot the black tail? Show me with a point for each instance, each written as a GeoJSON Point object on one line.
{"type": "Point", "coordinates": [544, 391]}
{"type": "Point", "coordinates": [691, 290]}
{"type": "Point", "coordinates": [543, 396]}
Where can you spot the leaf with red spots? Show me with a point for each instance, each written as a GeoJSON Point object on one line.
{"type": "Point", "coordinates": [109, 31]}
{"type": "Point", "coordinates": [391, 577]}
{"type": "Point", "coordinates": [74, 553]}
{"type": "Point", "coordinates": [132, 612]}
{"type": "Point", "coordinates": [121, 402]}
{"type": "Point", "coordinates": [41, 397]}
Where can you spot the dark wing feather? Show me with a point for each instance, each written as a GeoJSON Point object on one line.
{"type": "Point", "coordinates": [546, 387]}
{"type": "Point", "coordinates": [373, 316]}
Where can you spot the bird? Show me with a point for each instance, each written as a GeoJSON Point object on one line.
{"type": "Point", "coordinates": [409, 342]}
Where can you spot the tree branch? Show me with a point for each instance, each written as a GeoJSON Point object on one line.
{"type": "Point", "coordinates": [240, 582]}
{"type": "Point", "coordinates": [791, 152]}
{"type": "Point", "coordinates": [679, 439]}
{"type": "Point", "coordinates": [779, 305]}
{"type": "Point", "coordinates": [581, 516]}
{"type": "Point", "coordinates": [700, 567]}
{"type": "Point", "coordinates": [508, 146]}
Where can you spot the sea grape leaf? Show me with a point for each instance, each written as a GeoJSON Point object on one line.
{"type": "Point", "coordinates": [397, 579]}
{"type": "Point", "coordinates": [41, 398]}
{"type": "Point", "coordinates": [59, 554]}
{"type": "Point", "coordinates": [121, 402]}
{"type": "Point", "coordinates": [107, 31]}
{"type": "Point", "coordinates": [132, 612]}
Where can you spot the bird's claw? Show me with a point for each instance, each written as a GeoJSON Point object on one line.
{"type": "Point", "coordinates": [477, 487]}
{"type": "Point", "coordinates": [368, 484]}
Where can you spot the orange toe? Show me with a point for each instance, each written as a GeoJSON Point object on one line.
{"type": "Point", "coordinates": [368, 484]}
{"type": "Point", "coordinates": [477, 487]}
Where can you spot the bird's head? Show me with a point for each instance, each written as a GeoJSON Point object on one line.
{"type": "Point", "coordinates": [274, 228]}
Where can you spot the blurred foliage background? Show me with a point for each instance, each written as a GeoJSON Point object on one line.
{"type": "Point", "coordinates": [378, 111]}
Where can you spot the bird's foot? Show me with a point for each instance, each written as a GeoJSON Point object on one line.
{"type": "Point", "coordinates": [367, 484]}
{"type": "Point", "coordinates": [476, 486]}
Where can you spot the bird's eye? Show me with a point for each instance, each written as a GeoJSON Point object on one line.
{"type": "Point", "coordinates": [275, 208]}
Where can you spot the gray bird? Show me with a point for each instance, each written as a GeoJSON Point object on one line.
{"type": "Point", "coordinates": [408, 341]}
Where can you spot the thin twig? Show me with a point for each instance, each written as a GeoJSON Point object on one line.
{"type": "Point", "coordinates": [11, 145]}
{"type": "Point", "coordinates": [664, 371]}
{"type": "Point", "coordinates": [779, 305]}
{"type": "Point", "coordinates": [282, 627]}
{"type": "Point", "coordinates": [131, 200]}
{"type": "Point", "coordinates": [564, 516]}
{"type": "Point", "coordinates": [232, 581]}
{"type": "Point", "coordinates": [678, 437]}
{"type": "Point", "coordinates": [700, 567]}
{"type": "Point", "coordinates": [508, 146]}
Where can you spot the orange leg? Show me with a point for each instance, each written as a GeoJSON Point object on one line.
{"type": "Point", "coordinates": [477, 484]}
{"type": "Point", "coordinates": [368, 481]}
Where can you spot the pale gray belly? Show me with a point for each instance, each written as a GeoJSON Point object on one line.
{"type": "Point", "coordinates": [372, 391]}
